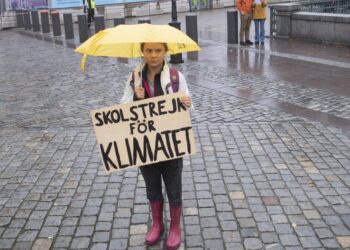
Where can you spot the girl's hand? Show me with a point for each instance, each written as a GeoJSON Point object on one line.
{"type": "Point", "coordinates": [140, 93]}
{"type": "Point", "coordinates": [186, 100]}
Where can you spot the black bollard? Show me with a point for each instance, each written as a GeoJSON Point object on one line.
{"type": "Point", "coordinates": [232, 27]}
{"type": "Point", "coordinates": [177, 58]}
{"type": "Point", "coordinates": [83, 28]}
{"type": "Point", "coordinates": [19, 17]}
{"type": "Point", "coordinates": [45, 21]}
{"type": "Point", "coordinates": [118, 21]}
{"type": "Point", "coordinates": [99, 23]}
{"type": "Point", "coordinates": [192, 31]}
{"type": "Point", "coordinates": [192, 27]}
{"type": "Point", "coordinates": [27, 22]}
{"type": "Point", "coordinates": [68, 25]}
{"type": "Point", "coordinates": [144, 21]}
{"type": "Point", "coordinates": [56, 24]}
{"type": "Point", "coordinates": [35, 20]}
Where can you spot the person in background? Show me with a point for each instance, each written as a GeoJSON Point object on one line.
{"type": "Point", "coordinates": [195, 5]}
{"type": "Point", "coordinates": [259, 17]}
{"type": "Point", "coordinates": [148, 80]}
{"type": "Point", "coordinates": [91, 11]}
{"type": "Point", "coordinates": [245, 8]}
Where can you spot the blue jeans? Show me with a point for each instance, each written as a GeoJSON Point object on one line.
{"type": "Point", "coordinates": [259, 30]}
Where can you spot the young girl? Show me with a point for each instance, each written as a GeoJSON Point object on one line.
{"type": "Point", "coordinates": [150, 79]}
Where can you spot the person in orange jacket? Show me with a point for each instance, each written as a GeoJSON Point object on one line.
{"type": "Point", "coordinates": [245, 8]}
{"type": "Point", "coordinates": [259, 17]}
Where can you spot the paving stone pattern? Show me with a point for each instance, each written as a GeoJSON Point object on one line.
{"type": "Point", "coordinates": [311, 98]}
{"type": "Point", "coordinates": [261, 179]}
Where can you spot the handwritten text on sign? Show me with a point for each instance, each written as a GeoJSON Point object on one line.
{"type": "Point", "coordinates": [143, 132]}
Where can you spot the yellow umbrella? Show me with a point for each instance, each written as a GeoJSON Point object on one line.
{"type": "Point", "coordinates": [124, 41]}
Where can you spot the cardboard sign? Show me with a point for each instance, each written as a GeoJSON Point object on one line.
{"type": "Point", "coordinates": [143, 132]}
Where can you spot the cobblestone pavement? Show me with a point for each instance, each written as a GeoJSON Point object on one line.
{"type": "Point", "coordinates": [263, 177]}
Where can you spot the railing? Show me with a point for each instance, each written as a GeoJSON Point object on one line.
{"type": "Point", "coordinates": [326, 6]}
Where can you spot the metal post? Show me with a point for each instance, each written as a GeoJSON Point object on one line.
{"type": "Point", "coordinates": [84, 6]}
{"type": "Point", "coordinates": [68, 25]}
{"type": "Point", "coordinates": [56, 24]}
{"type": "Point", "coordinates": [232, 27]}
{"type": "Point", "coordinates": [35, 20]}
{"type": "Point", "coordinates": [173, 11]}
{"type": "Point", "coordinates": [118, 21]}
{"type": "Point", "coordinates": [99, 23]}
{"type": "Point", "coordinates": [45, 21]}
{"type": "Point", "coordinates": [177, 58]}
{"type": "Point", "coordinates": [83, 28]}
{"type": "Point", "coordinates": [27, 22]}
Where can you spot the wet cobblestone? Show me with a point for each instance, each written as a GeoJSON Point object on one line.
{"type": "Point", "coordinates": [262, 178]}
{"type": "Point", "coordinates": [311, 98]}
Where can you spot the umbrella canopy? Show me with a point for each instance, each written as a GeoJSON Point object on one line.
{"type": "Point", "coordinates": [124, 40]}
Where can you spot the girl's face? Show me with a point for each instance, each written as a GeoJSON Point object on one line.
{"type": "Point", "coordinates": [154, 54]}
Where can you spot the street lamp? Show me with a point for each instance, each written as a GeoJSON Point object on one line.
{"type": "Point", "coordinates": [177, 58]}
{"type": "Point", "coordinates": [173, 11]}
{"type": "Point", "coordinates": [84, 6]}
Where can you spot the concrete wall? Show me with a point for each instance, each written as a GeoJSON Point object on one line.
{"type": "Point", "coordinates": [283, 18]}
{"type": "Point", "coordinates": [325, 27]}
{"type": "Point", "coordinates": [319, 27]}
{"type": "Point", "coordinates": [8, 20]}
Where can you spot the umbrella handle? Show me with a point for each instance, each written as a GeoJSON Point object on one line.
{"type": "Point", "coordinates": [82, 65]}
{"type": "Point", "coordinates": [137, 77]}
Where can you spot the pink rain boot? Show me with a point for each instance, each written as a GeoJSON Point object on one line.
{"type": "Point", "coordinates": [157, 227]}
{"type": "Point", "coordinates": [174, 239]}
